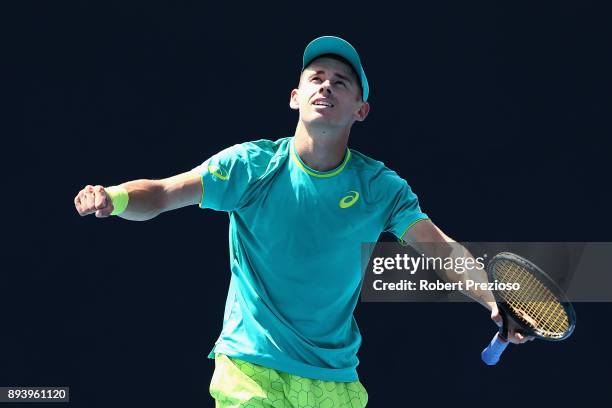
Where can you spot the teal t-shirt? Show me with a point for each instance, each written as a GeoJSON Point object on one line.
{"type": "Point", "coordinates": [295, 239]}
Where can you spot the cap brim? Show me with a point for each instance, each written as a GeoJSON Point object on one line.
{"type": "Point", "coordinates": [337, 46]}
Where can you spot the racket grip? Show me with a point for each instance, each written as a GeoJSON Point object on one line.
{"type": "Point", "coordinates": [494, 350]}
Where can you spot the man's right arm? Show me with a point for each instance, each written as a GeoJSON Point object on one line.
{"type": "Point", "coordinates": [147, 198]}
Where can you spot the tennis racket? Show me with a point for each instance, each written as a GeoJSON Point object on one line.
{"type": "Point", "coordinates": [539, 307]}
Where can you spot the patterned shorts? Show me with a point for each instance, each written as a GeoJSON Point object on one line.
{"type": "Point", "coordinates": [237, 383]}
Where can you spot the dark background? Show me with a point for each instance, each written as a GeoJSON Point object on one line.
{"type": "Point", "coordinates": [497, 115]}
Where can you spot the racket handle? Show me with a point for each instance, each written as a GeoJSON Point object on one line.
{"type": "Point", "coordinates": [494, 350]}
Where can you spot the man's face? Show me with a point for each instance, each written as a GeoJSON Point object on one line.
{"type": "Point", "coordinates": [329, 95]}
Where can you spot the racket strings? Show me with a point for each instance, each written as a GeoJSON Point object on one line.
{"type": "Point", "coordinates": [533, 302]}
{"type": "Point", "coordinates": [539, 307]}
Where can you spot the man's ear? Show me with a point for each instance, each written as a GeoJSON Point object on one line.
{"type": "Point", "coordinates": [293, 100]}
{"type": "Point", "coordinates": [362, 113]}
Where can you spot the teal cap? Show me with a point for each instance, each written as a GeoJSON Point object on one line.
{"type": "Point", "coordinates": [335, 45]}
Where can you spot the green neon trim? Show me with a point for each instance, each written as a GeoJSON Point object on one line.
{"type": "Point", "coordinates": [401, 240]}
{"type": "Point", "coordinates": [314, 173]}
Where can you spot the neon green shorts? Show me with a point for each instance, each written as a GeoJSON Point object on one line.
{"type": "Point", "coordinates": [237, 383]}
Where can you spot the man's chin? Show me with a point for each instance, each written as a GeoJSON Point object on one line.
{"type": "Point", "coordinates": [320, 120]}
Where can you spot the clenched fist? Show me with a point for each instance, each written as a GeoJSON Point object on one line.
{"type": "Point", "coordinates": [93, 199]}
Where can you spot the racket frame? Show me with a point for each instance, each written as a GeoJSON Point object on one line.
{"type": "Point", "coordinates": [540, 275]}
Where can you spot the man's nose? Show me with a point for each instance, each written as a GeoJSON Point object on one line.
{"type": "Point", "coordinates": [325, 88]}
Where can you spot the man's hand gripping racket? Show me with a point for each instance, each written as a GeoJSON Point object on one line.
{"type": "Point", "coordinates": [539, 308]}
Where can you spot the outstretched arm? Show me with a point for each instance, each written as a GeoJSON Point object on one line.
{"type": "Point", "coordinates": [146, 198]}
{"type": "Point", "coordinates": [428, 239]}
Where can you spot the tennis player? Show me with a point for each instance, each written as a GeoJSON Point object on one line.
{"type": "Point", "coordinates": [299, 209]}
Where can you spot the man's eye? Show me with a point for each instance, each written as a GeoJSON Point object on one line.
{"type": "Point", "coordinates": [341, 83]}
{"type": "Point", "coordinates": [316, 79]}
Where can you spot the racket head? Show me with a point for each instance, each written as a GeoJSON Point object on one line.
{"type": "Point", "coordinates": [540, 307]}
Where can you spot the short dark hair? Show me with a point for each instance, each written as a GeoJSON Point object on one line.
{"type": "Point", "coordinates": [339, 59]}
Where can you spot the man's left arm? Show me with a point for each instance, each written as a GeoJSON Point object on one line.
{"type": "Point", "coordinates": [426, 238]}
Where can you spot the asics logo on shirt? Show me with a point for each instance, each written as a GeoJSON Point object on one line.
{"type": "Point", "coordinates": [218, 172]}
{"type": "Point", "coordinates": [349, 200]}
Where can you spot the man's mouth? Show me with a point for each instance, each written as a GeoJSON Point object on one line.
{"type": "Point", "coordinates": [323, 103]}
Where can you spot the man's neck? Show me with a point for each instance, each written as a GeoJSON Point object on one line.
{"type": "Point", "coordinates": [320, 149]}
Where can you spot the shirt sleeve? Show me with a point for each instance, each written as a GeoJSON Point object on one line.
{"type": "Point", "coordinates": [226, 178]}
{"type": "Point", "coordinates": [405, 209]}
